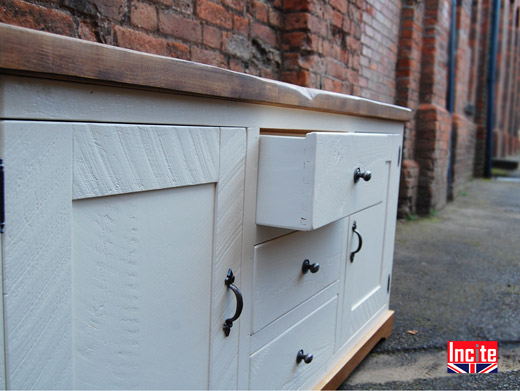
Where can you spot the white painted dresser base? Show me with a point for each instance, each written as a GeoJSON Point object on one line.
{"type": "Point", "coordinates": [35, 100]}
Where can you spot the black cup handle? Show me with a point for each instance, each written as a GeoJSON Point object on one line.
{"type": "Point", "coordinates": [228, 323]}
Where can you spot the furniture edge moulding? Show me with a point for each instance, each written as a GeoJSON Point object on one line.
{"type": "Point", "coordinates": [58, 56]}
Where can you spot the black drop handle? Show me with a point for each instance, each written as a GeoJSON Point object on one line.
{"type": "Point", "coordinates": [366, 176]}
{"type": "Point", "coordinates": [360, 242]}
{"type": "Point", "coordinates": [308, 266]}
{"type": "Point", "coordinates": [306, 358]}
{"type": "Point", "coordinates": [228, 323]}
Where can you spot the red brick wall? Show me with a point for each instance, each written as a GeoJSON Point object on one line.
{"type": "Point", "coordinates": [321, 44]}
{"type": "Point", "coordinates": [464, 129]}
{"type": "Point", "coordinates": [408, 79]}
{"type": "Point", "coordinates": [236, 34]}
{"type": "Point", "coordinates": [379, 47]}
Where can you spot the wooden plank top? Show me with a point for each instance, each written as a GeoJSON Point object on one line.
{"type": "Point", "coordinates": [29, 51]}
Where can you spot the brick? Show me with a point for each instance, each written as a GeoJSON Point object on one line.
{"type": "Point", "coordinates": [301, 78]}
{"type": "Point", "coordinates": [335, 69]}
{"type": "Point", "coordinates": [275, 18]}
{"type": "Point", "coordinates": [340, 5]}
{"type": "Point", "coordinates": [297, 21]}
{"type": "Point", "coordinates": [209, 57]}
{"type": "Point", "coordinates": [238, 5]}
{"type": "Point", "coordinates": [265, 33]}
{"type": "Point", "coordinates": [260, 11]}
{"type": "Point", "coordinates": [236, 65]}
{"type": "Point", "coordinates": [35, 17]}
{"type": "Point", "coordinates": [113, 9]}
{"type": "Point", "coordinates": [267, 73]}
{"type": "Point", "coordinates": [86, 31]}
{"type": "Point", "coordinates": [214, 13]}
{"type": "Point", "coordinates": [211, 36]}
{"type": "Point", "coordinates": [137, 40]}
{"type": "Point", "coordinates": [178, 50]}
{"type": "Point", "coordinates": [240, 24]}
{"type": "Point", "coordinates": [179, 26]}
{"type": "Point", "coordinates": [143, 15]}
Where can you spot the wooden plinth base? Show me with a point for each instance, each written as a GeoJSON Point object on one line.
{"type": "Point", "coordinates": [380, 330]}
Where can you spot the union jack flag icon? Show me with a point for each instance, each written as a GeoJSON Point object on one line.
{"type": "Point", "coordinates": [472, 368]}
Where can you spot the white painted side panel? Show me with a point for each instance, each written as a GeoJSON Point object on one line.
{"type": "Point", "coordinates": [275, 367]}
{"type": "Point", "coordinates": [37, 253]}
{"type": "Point", "coordinates": [229, 212]}
{"type": "Point", "coordinates": [142, 291]}
{"type": "Point", "coordinates": [306, 183]}
{"type": "Point", "coordinates": [284, 194]}
{"type": "Point", "coordinates": [279, 283]}
{"type": "Point", "coordinates": [117, 159]}
{"type": "Point", "coordinates": [2, 333]}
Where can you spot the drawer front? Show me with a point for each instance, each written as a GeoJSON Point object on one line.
{"type": "Point", "coordinates": [275, 365]}
{"type": "Point", "coordinates": [306, 183]}
{"type": "Point", "coordinates": [279, 281]}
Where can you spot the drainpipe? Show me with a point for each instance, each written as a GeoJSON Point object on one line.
{"type": "Point", "coordinates": [491, 79]}
{"type": "Point", "coordinates": [450, 98]}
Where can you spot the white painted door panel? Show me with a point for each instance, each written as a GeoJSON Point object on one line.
{"type": "Point", "coordinates": [275, 367]}
{"type": "Point", "coordinates": [278, 281]}
{"type": "Point", "coordinates": [140, 267]}
{"type": "Point", "coordinates": [365, 282]}
{"type": "Point", "coordinates": [139, 245]}
{"type": "Point", "coordinates": [306, 183]}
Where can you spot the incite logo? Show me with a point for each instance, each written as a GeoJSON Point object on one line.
{"type": "Point", "coordinates": [472, 356]}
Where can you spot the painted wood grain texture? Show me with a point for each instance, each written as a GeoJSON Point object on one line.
{"type": "Point", "coordinates": [2, 332]}
{"type": "Point", "coordinates": [248, 235]}
{"type": "Point", "coordinates": [275, 367]}
{"type": "Point", "coordinates": [117, 159]}
{"type": "Point", "coordinates": [142, 289]}
{"type": "Point", "coordinates": [68, 57]}
{"type": "Point", "coordinates": [306, 183]}
{"type": "Point", "coordinates": [229, 213]}
{"type": "Point", "coordinates": [25, 97]}
{"type": "Point", "coordinates": [37, 254]}
{"type": "Point", "coordinates": [276, 293]}
{"type": "Point", "coordinates": [365, 293]}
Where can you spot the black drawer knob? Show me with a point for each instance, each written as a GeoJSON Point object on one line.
{"type": "Point", "coordinates": [308, 266]}
{"type": "Point", "coordinates": [366, 176]}
{"type": "Point", "coordinates": [306, 358]}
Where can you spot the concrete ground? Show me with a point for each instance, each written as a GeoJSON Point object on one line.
{"type": "Point", "coordinates": [456, 277]}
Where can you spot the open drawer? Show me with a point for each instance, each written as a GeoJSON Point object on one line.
{"type": "Point", "coordinates": [307, 182]}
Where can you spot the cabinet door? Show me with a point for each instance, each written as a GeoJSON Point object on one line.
{"type": "Point", "coordinates": [369, 253]}
{"type": "Point", "coordinates": [112, 232]}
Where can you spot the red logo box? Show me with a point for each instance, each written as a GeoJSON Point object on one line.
{"type": "Point", "coordinates": [472, 356]}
